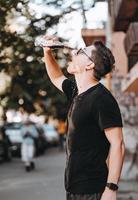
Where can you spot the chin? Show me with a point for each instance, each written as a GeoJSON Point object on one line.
{"type": "Point", "coordinates": [70, 71]}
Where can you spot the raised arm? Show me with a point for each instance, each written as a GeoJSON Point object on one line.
{"type": "Point", "coordinates": [54, 72]}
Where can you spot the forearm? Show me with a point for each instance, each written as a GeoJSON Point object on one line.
{"type": "Point", "coordinates": [116, 158]}
{"type": "Point", "coordinates": [52, 66]}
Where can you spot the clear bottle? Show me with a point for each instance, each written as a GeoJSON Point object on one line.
{"type": "Point", "coordinates": [41, 41]}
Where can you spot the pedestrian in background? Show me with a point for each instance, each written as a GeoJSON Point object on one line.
{"type": "Point", "coordinates": [29, 134]}
{"type": "Point", "coordinates": [61, 128]}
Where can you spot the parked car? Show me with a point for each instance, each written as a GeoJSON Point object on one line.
{"type": "Point", "coordinates": [5, 146]}
{"type": "Point", "coordinates": [13, 131]}
{"type": "Point", "coordinates": [51, 134]}
{"type": "Point", "coordinates": [1, 151]}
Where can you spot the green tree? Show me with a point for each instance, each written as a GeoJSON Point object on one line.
{"type": "Point", "coordinates": [31, 88]}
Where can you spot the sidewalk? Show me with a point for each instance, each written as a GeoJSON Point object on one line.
{"type": "Point", "coordinates": [128, 190]}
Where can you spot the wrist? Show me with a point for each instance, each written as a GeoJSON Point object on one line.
{"type": "Point", "coordinates": [108, 189]}
{"type": "Point", "coordinates": [112, 186]}
{"type": "Point", "coordinates": [47, 51]}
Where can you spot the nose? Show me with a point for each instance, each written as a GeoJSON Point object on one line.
{"type": "Point", "coordinates": [74, 52]}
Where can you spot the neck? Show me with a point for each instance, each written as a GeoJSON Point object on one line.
{"type": "Point", "coordinates": [84, 82]}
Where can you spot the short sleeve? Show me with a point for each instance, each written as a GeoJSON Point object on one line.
{"type": "Point", "coordinates": [108, 113]}
{"type": "Point", "coordinates": [69, 88]}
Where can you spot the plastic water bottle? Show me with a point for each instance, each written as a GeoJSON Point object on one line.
{"type": "Point", "coordinates": [41, 41]}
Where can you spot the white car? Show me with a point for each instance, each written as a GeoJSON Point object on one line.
{"type": "Point", "coordinates": [13, 130]}
{"type": "Point", "coordinates": [51, 134]}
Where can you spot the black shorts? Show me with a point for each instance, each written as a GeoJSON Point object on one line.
{"type": "Point", "coordinates": [96, 196]}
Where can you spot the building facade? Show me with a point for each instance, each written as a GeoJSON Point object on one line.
{"type": "Point", "coordinates": [121, 36]}
{"type": "Point", "coordinates": [123, 22]}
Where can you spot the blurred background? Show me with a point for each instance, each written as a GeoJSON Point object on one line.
{"type": "Point", "coordinates": [26, 92]}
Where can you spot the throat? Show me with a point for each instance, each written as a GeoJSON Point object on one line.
{"type": "Point", "coordinates": [83, 88]}
{"type": "Point", "coordinates": [84, 82]}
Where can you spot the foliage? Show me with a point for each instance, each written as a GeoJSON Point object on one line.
{"type": "Point", "coordinates": [30, 88]}
{"type": "Point", "coordinates": [19, 25]}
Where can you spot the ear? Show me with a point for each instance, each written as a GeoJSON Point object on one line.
{"type": "Point", "coordinates": [90, 66]}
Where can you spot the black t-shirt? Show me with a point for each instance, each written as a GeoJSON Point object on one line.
{"type": "Point", "coordinates": [87, 146]}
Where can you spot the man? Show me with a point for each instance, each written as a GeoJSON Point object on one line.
{"type": "Point", "coordinates": [94, 124]}
{"type": "Point", "coordinates": [29, 134]}
{"type": "Point", "coordinates": [61, 129]}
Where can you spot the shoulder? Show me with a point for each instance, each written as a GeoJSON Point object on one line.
{"type": "Point", "coordinates": [104, 97]}
{"type": "Point", "coordinates": [68, 83]}
{"type": "Point", "coordinates": [69, 87]}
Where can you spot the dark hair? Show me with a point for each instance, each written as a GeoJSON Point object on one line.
{"type": "Point", "coordinates": [103, 60]}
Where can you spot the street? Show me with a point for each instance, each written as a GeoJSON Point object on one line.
{"type": "Point", "coordinates": [47, 181]}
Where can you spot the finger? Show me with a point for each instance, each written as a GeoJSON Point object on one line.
{"type": "Point", "coordinates": [48, 37]}
{"type": "Point", "coordinates": [46, 50]}
{"type": "Point", "coordinates": [55, 38]}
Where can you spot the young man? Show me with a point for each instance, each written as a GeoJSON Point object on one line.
{"type": "Point", "coordinates": [94, 124]}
